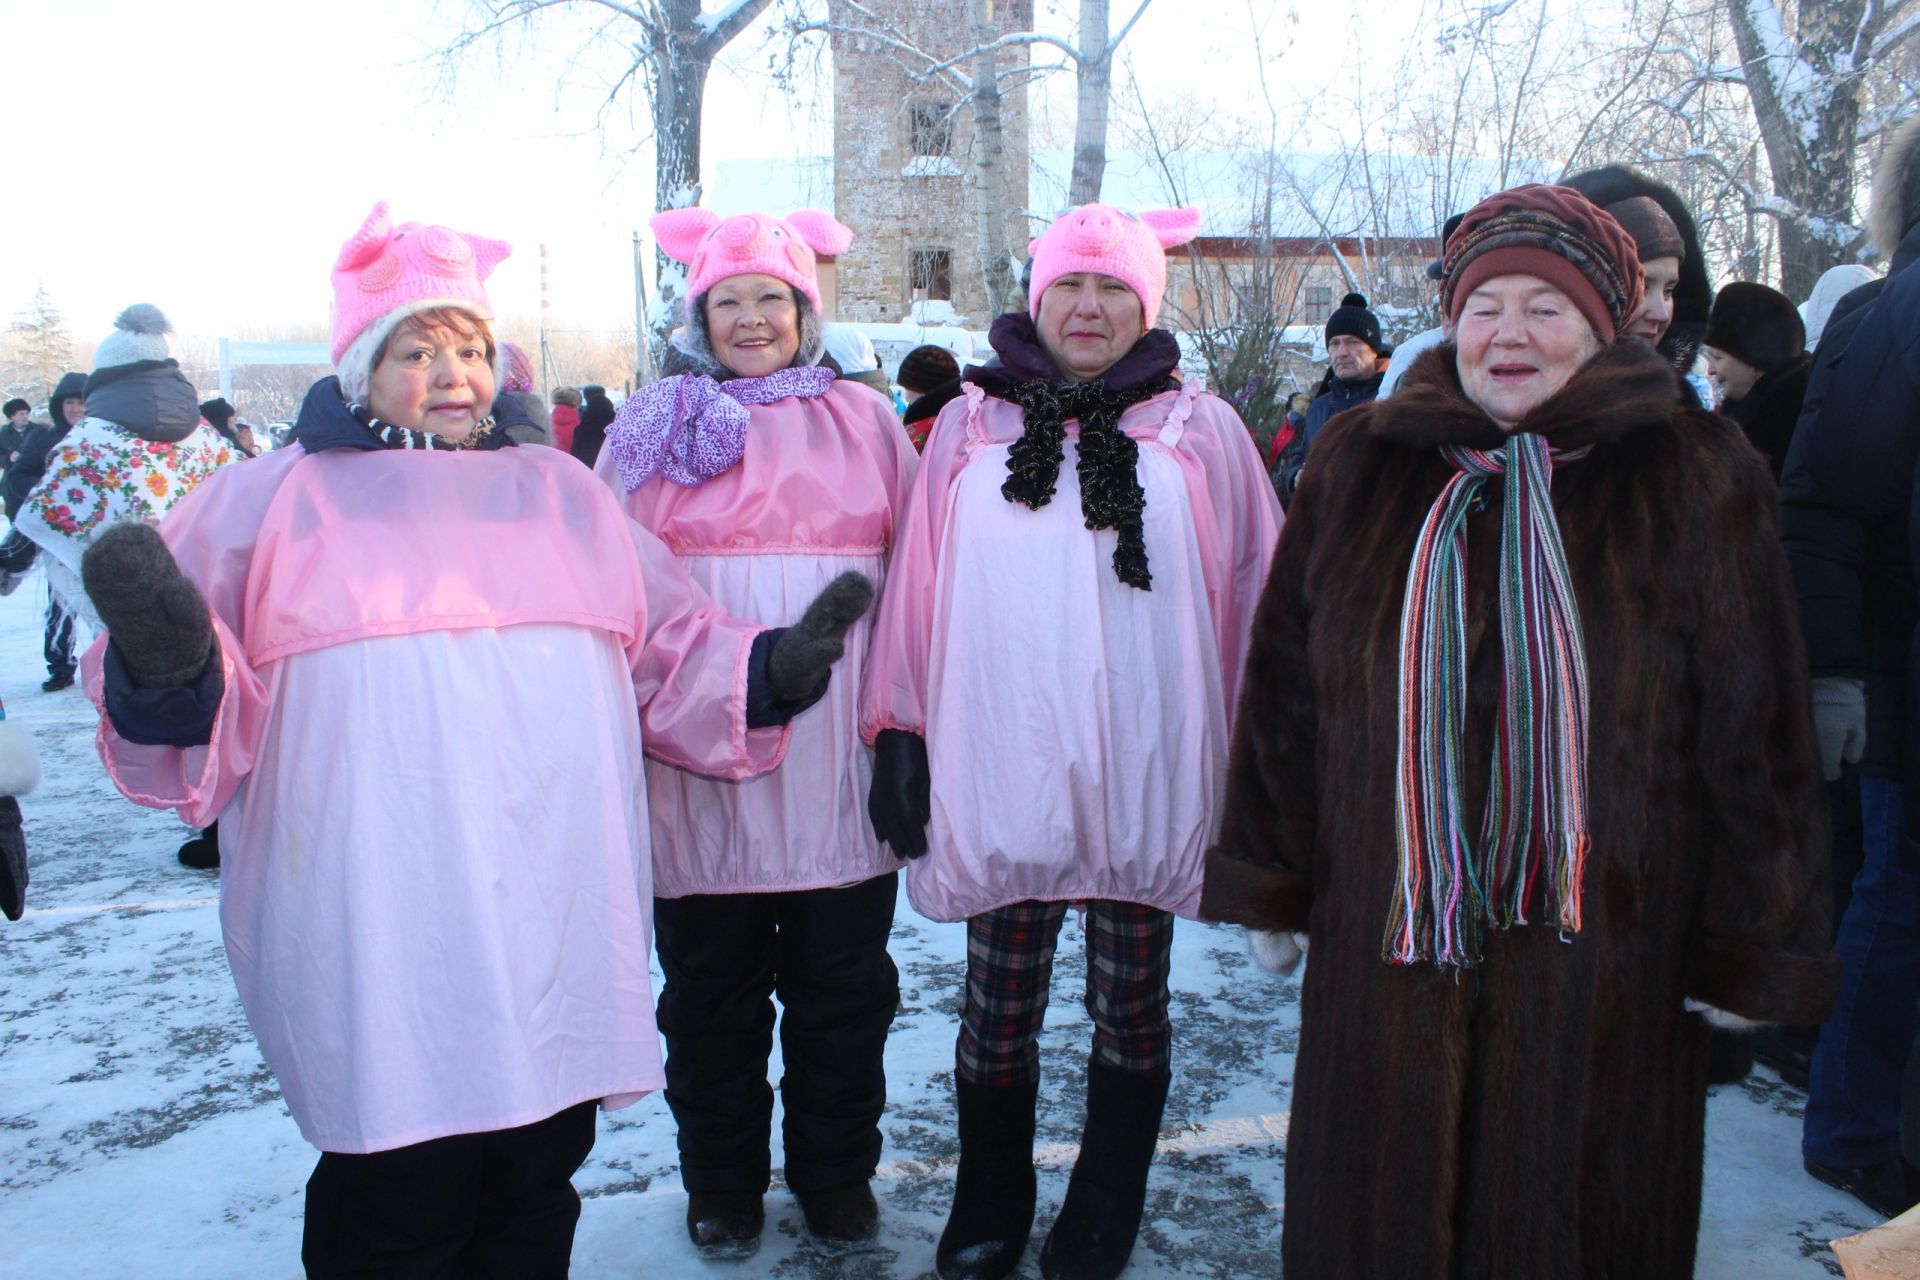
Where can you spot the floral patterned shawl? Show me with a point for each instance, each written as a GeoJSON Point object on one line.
{"type": "Point", "coordinates": [103, 473]}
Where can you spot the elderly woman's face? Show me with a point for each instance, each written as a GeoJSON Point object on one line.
{"type": "Point", "coordinates": [1520, 340]}
{"type": "Point", "coordinates": [753, 323]}
{"type": "Point", "coordinates": [1087, 321]}
{"type": "Point", "coordinates": [435, 379]}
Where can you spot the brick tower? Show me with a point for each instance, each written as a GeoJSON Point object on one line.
{"type": "Point", "coordinates": [903, 158]}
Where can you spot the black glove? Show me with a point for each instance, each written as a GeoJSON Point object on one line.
{"type": "Point", "coordinates": [806, 649]}
{"type": "Point", "coordinates": [155, 618]}
{"type": "Point", "coordinates": [900, 802]}
{"type": "Point", "coordinates": [13, 860]}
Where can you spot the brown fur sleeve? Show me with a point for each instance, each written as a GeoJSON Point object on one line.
{"type": "Point", "coordinates": [1761, 944]}
{"type": "Point", "coordinates": [1260, 872]}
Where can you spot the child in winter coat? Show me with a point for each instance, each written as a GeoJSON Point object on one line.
{"type": "Point", "coordinates": [1053, 668]}
{"type": "Point", "coordinates": [440, 940]}
{"type": "Point", "coordinates": [768, 477]}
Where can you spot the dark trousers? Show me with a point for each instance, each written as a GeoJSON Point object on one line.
{"type": "Point", "coordinates": [1853, 1102]}
{"type": "Point", "coordinates": [1010, 970]}
{"type": "Point", "coordinates": [495, 1205]}
{"type": "Point", "coordinates": [56, 644]}
{"type": "Point", "coordinates": [823, 952]}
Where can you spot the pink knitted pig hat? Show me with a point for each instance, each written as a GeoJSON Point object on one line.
{"type": "Point", "coordinates": [1099, 237]}
{"type": "Point", "coordinates": [386, 273]}
{"type": "Point", "coordinates": [750, 243]}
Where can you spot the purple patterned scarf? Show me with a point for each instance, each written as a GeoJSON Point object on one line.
{"type": "Point", "coordinates": [690, 428]}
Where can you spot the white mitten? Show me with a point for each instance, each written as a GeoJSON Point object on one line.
{"type": "Point", "coordinates": [1720, 1018]}
{"type": "Point", "coordinates": [19, 765]}
{"type": "Point", "coordinates": [1276, 950]}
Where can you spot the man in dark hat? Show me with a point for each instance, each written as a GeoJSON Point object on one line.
{"type": "Point", "coordinates": [65, 407]}
{"type": "Point", "coordinates": [15, 430]}
{"type": "Point", "coordinates": [1756, 353]}
{"type": "Point", "coordinates": [1353, 349]}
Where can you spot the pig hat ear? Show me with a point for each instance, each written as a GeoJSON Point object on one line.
{"type": "Point", "coordinates": [680, 231]}
{"type": "Point", "coordinates": [364, 245]}
{"type": "Point", "coordinates": [1172, 226]}
{"type": "Point", "coordinates": [822, 232]}
{"type": "Point", "coordinates": [488, 254]}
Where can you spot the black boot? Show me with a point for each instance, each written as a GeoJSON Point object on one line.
{"type": "Point", "coordinates": [202, 853]}
{"type": "Point", "coordinates": [1093, 1236]}
{"type": "Point", "coordinates": [993, 1193]}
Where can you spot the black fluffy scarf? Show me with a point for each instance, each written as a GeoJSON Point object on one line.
{"type": "Point", "coordinates": [1110, 493]}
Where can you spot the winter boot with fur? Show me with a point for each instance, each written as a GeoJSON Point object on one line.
{"type": "Point", "coordinates": [993, 1193]}
{"type": "Point", "coordinates": [1093, 1236]}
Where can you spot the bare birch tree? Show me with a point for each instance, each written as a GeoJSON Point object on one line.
{"type": "Point", "coordinates": [670, 48]}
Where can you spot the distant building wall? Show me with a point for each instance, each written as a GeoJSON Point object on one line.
{"type": "Point", "coordinates": [903, 171]}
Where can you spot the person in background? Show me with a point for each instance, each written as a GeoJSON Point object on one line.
{"type": "Point", "coordinates": [930, 376]}
{"type": "Point", "coordinates": [1757, 354]}
{"type": "Point", "coordinates": [1675, 291]}
{"type": "Point", "coordinates": [65, 407]}
{"type": "Point", "coordinates": [1525, 751]}
{"type": "Point", "coordinates": [518, 408]}
{"type": "Point", "coordinates": [1834, 284]}
{"type": "Point", "coordinates": [767, 476]}
{"type": "Point", "coordinates": [219, 415]}
{"type": "Point", "coordinates": [1847, 501]}
{"type": "Point", "coordinates": [850, 354]}
{"type": "Point", "coordinates": [14, 433]}
{"type": "Point", "coordinates": [1353, 351]}
{"type": "Point", "coordinates": [1054, 669]}
{"type": "Point", "coordinates": [565, 418]}
{"type": "Point", "coordinates": [1284, 437]}
{"type": "Point", "coordinates": [596, 414]}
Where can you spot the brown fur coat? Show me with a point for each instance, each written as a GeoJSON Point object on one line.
{"type": "Point", "coordinates": [1539, 1116]}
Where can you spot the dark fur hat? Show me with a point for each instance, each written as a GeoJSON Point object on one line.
{"type": "Point", "coordinates": [1756, 324]}
{"type": "Point", "coordinates": [14, 406]}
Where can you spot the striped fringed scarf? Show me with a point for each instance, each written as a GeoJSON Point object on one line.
{"type": "Point", "coordinates": [1535, 827]}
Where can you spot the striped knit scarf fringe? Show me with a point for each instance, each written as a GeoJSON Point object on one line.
{"type": "Point", "coordinates": [1534, 831]}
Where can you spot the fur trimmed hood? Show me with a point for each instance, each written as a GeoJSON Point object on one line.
{"type": "Point", "coordinates": [1896, 188]}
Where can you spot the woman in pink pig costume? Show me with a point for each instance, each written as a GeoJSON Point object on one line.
{"type": "Point", "coordinates": [340, 651]}
{"type": "Point", "coordinates": [1054, 665]}
{"type": "Point", "coordinates": [769, 478]}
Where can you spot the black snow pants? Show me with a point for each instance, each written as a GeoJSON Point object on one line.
{"type": "Point", "coordinates": [823, 952]}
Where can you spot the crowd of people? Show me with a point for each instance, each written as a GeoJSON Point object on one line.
{"type": "Point", "coordinates": [1508, 720]}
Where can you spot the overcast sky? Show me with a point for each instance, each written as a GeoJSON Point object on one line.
{"type": "Point", "coordinates": [210, 155]}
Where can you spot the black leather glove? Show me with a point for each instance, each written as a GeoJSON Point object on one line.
{"type": "Point", "coordinates": [900, 802]}
{"type": "Point", "coordinates": [155, 618]}
{"type": "Point", "coordinates": [806, 649]}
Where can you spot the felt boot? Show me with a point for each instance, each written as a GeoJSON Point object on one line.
{"type": "Point", "coordinates": [1093, 1236]}
{"type": "Point", "coordinates": [993, 1193]}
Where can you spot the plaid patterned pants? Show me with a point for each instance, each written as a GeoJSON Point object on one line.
{"type": "Point", "coordinates": [1009, 971]}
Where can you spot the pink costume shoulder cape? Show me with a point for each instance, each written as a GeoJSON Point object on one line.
{"type": "Point", "coordinates": [1076, 727]}
{"type": "Point", "coordinates": [817, 492]}
{"type": "Point", "coordinates": [441, 671]}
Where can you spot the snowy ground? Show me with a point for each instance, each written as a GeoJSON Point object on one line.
{"type": "Point", "coordinates": [140, 1134]}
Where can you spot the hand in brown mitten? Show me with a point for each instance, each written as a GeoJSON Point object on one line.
{"type": "Point", "coordinates": [806, 649]}
{"type": "Point", "coordinates": [155, 618]}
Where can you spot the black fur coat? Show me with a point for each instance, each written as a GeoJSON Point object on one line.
{"type": "Point", "coordinates": [1541, 1115]}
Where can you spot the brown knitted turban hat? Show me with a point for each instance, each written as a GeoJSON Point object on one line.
{"type": "Point", "coordinates": [1554, 233]}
